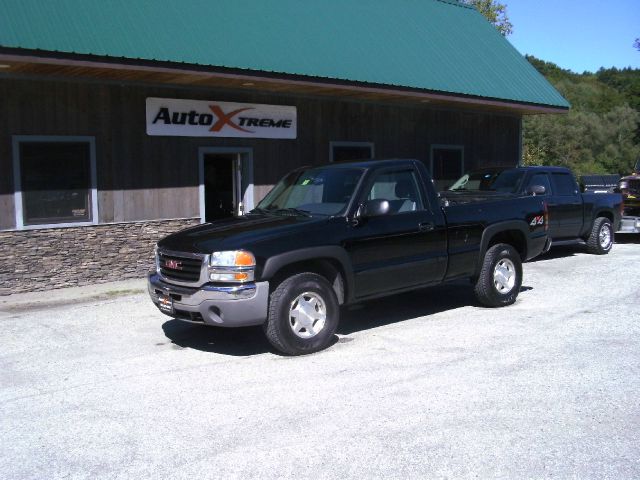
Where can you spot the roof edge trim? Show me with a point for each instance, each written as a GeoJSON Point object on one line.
{"type": "Point", "coordinates": [123, 63]}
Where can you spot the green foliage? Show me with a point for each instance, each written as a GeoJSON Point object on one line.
{"type": "Point", "coordinates": [495, 12]}
{"type": "Point", "coordinates": [626, 81]}
{"type": "Point", "coordinates": [601, 132]}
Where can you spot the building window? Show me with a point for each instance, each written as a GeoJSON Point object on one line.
{"type": "Point", "coordinates": [447, 164]}
{"type": "Point", "coordinates": [348, 151]}
{"type": "Point", "coordinates": [54, 181]}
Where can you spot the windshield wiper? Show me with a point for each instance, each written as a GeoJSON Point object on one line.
{"type": "Point", "coordinates": [293, 211]}
{"type": "Point", "coordinates": [259, 210]}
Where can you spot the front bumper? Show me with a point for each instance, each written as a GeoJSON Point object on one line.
{"type": "Point", "coordinates": [236, 306]}
{"type": "Point", "coordinates": [629, 225]}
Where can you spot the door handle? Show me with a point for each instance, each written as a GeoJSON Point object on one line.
{"type": "Point", "coordinates": [426, 226]}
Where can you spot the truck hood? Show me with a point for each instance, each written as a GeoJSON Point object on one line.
{"type": "Point", "coordinates": [236, 233]}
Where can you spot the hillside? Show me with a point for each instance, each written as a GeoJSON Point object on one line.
{"type": "Point", "coordinates": [601, 132]}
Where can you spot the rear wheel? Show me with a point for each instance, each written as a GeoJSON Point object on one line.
{"type": "Point", "coordinates": [303, 314]}
{"type": "Point", "coordinates": [600, 240]}
{"type": "Point", "coordinates": [500, 278]}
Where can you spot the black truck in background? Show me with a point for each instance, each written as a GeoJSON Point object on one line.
{"type": "Point", "coordinates": [574, 216]}
{"type": "Point", "coordinates": [335, 235]}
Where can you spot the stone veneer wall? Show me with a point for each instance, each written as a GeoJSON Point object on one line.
{"type": "Point", "coordinates": [39, 260]}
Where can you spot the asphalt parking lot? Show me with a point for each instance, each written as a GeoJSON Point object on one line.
{"type": "Point", "coordinates": [421, 385]}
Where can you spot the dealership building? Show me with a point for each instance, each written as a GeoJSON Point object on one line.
{"type": "Point", "coordinates": [121, 122]}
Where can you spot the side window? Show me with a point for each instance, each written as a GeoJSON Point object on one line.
{"type": "Point", "coordinates": [400, 188]}
{"type": "Point", "coordinates": [564, 184]}
{"type": "Point", "coordinates": [541, 179]}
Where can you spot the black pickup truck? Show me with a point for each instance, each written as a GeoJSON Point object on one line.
{"type": "Point", "coordinates": [574, 217]}
{"type": "Point", "coordinates": [339, 234]}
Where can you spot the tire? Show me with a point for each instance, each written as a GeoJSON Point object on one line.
{"type": "Point", "coordinates": [289, 327]}
{"type": "Point", "coordinates": [500, 277]}
{"type": "Point", "coordinates": [600, 239]}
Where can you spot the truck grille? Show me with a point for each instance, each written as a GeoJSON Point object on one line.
{"type": "Point", "coordinates": [176, 267]}
{"type": "Point", "coordinates": [634, 186]}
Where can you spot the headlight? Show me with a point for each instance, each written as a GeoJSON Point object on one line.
{"type": "Point", "coordinates": [623, 185]}
{"type": "Point", "coordinates": [232, 266]}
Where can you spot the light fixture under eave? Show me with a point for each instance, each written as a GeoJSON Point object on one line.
{"type": "Point", "coordinates": [4, 65]}
{"type": "Point", "coordinates": [248, 84]}
{"type": "Point", "coordinates": [425, 100]}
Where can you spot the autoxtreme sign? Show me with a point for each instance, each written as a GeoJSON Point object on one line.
{"type": "Point", "coordinates": [198, 118]}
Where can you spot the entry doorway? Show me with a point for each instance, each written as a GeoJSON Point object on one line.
{"type": "Point", "coordinates": [226, 187]}
{"type": "Point", "coordinates": [220, 186]}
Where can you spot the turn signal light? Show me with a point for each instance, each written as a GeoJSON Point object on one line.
{"type": "Point", "coordinates": [244, 259]}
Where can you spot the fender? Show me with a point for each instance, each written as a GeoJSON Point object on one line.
{"type": "Point", "coordinates": [496, 228]}
{"type": "Point", "coordinates": [333, 252]}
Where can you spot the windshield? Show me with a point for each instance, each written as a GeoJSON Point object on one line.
{"type": "Point", "coordinates": [636, 169]}
{"type": "Point", "coordinates": [497, 180]}
{"type": "Point", "coordinates": [321, 191]}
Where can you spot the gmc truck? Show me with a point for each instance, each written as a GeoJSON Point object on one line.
{"type": "Point", "coordinates": [335, 235]}
{"type": "Point", "coordinates": [575, 217]}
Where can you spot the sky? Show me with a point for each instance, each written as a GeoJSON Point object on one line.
{"type": "Point", "coordinates": [578, 35]}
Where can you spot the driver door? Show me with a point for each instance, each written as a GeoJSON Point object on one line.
{"type": "Point", "coordinates": [402, 249]}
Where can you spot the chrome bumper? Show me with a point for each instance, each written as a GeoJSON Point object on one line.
{"type": "Point", "coordinates": [237, 306]}
{"type": "Point", "coordinates": [629, 225]}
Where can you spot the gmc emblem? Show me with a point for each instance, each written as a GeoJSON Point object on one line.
{"type": "Point", "coordinates": [173, 264]}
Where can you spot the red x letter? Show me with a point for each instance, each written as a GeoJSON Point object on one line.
{"type": "Point", "coordinates": [226, 119]}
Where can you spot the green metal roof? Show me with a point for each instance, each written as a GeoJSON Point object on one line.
{"type": "Point", "coordinates": [436, 45]}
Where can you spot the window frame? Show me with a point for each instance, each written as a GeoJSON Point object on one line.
{"type": "Point", "coordinates": [369, 182]}
{"type": "Point", "coordinates": [17, 140]}
{"type": "Point", "coordinates": [333, 144]}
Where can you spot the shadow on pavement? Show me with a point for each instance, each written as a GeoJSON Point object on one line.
{"type": "Point", "coordinates": [372, 314]}
{"type": "Point", "coordinates": [239, 342]}
{"type": "Point", "coordinates": [405, 306]}
{"type": "Point", "coordinates": [627, 238]}
{"type": "Point", "coordinates": [561, 252]}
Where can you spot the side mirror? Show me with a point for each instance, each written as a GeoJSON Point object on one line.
{"type": "Point", "coordinates": [536, 190]}
{"type": "Point", "coordinates": [375, 208]}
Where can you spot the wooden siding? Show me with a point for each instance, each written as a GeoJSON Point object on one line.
{"type": "Point", "coordinates": [144, 178]}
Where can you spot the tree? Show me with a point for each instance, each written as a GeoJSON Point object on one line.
{"type": "Point", "coordinates": [495, 12]}
{"type": "Point", "coordinates": [601, 132]}
{"type": "Point", "coordinates": [637, 43]}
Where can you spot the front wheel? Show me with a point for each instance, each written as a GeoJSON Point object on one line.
{"type": "Point", "coordinates": [500, 277]}
{"type": "Point", "coordinates": [303, 314]}
{"type": "Point", "coordinates": [600, 240]}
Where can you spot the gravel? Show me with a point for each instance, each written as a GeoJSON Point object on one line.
{"type": "Point", "coordinates": [421, 385]}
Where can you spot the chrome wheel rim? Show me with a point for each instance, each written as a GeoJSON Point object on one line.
{"type": "Point", "coordinates": [605, 236]}
{"type": "Point", "coordinates": [307, 315]}
{"type": "Point", "coordinates": [504, 276]}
